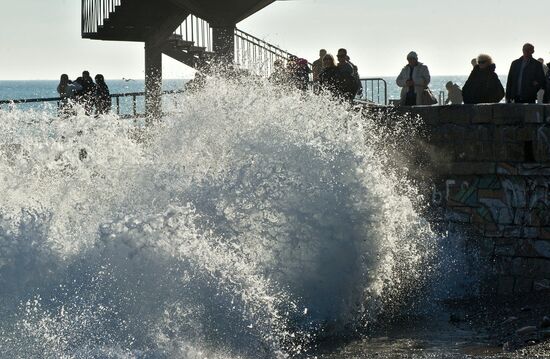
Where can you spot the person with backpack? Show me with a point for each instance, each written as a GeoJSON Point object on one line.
{"type": "Point", "coordinates": [414, 80]}
{"type": "Point", "coordinates": [348, 76]}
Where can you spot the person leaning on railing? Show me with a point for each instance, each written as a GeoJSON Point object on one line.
{"type": "Point", "coordinates": [67, 91]}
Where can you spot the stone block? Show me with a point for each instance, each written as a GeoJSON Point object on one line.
{"type": "Point", "coordinates": [503, 266]}
{"type": "Point", "coordinates": [505, 134]}
{"type": "Point", "coordinates": [506, 285]}
{"type": "Point", "coordinates": [505, 251]}
{"type": "Point", "coordinates": [457, 114]}
{"type": "Point", "coordinates": [534, 114]}
{"type": "Point", "coordinates": [546, 113]}
{"type": "Point", "coordinates": [428, 114]}
{"type": "Point", "coordinates": [526, 133]}
{"type": "Point", "coordinates": [533, 169]}
{"type": "Point", "coordinates": [512, 231]}
{"type": "Point", "coordinates": [538, 267]}
{"type": "Point", "coordinates": [505, 215]}
{"type": "Point", "coordinates": [472, 168]}
{"type": "Point", "coordinates": [482, 114]}
{"type": "Point", "coordinates": [505, 168]}
{"type": "Point", "coordinates": [493, 230]}
{"type": "Point", "coordinates": [508, 114]}
{"type": "Point", "coordinates": [520, 266]}
{"type": "Point", "coordinates": [544, 233]}
{"type": "Point", "coordinates": [533, 248]}
{"type": "Point", "coordinates": [515, 152]}
{"type": "Point", "coordinates": [523, 285]}
{"type": "Point", "coordinates": [458, 216]}
{"type": "Point", "coordinates": [530, 232]}
{"type": "Point", "coordinates": [457, 134]}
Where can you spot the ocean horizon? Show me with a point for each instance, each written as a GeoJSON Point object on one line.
{"type": "Point", "coordinates": [25, 89]}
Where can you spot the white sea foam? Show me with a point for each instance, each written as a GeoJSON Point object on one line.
{"type": "Point", "coordinates": [246, 224]}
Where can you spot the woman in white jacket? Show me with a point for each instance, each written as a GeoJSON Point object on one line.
{"type": "Point", "coordinates": [414, 80]}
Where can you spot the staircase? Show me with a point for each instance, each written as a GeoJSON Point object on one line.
{"type": "Point", "coordinates": [175, 31]}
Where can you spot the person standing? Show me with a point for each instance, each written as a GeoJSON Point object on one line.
{"type": "Point", "coordinates": [329, 78]}
{"type": "Point", "coordinates": [102, 96]}
{"type": "Point", "coordinates": [483, 85]}
{"type": "Point", "coordinates": [67, 91]}
{"type": "Point", "coordinates": [317, 67]}
{"type": "Point", "coordinates": [348, 76]}
{"type": "Point", "coordinates": [414, 80]}
{"type": "Point", "coordinates": [525, 78]}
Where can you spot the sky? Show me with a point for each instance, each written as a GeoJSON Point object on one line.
{"type": "Point", "coordinates": [40, 39]}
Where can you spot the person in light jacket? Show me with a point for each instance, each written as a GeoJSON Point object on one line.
{"type": "Point", "coordinates": [413, 79]}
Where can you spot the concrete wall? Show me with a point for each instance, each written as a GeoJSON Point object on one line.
{"type": "Point", "coordinates": [490, 167]}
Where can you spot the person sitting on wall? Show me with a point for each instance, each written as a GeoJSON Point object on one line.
{"type": "Point", "coordinates": [483, 85]}
{"type": "Point", "coordinates": [102, 96]}
{"type": "Point", "coordinates": [525, 78]}
{"type": "Point", "coordinates": [454, 96]}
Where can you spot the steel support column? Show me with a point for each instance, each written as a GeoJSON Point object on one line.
{"type": "Point", "coordinates": [153, 81]}
{"type": "Point", "coordinates": [223, 43]}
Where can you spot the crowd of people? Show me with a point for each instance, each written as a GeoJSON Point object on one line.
{"type": "Point", "coordinates": [528, 79]}
{"type": "Point", "coordinates": [339, 77]}
{"type": "Point", "coordinates": [94, 97]}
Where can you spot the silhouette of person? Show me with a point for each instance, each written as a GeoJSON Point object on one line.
{"type": "Point", "coordinates": [67, 91]}
{"type": "Point", "coordinates": [525, 78]}
{"type": "Point", "coordinates": [483, 85]}
{"type": "Point", "coordinates": [102, 96]}
{"type": "Point", "coordinates": [454, 96]}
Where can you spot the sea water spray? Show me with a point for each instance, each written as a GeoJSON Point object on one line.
{"type": "Point", "coordinates": [251, 221]}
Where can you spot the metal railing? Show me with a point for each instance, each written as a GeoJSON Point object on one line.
{"type": "Point", "coordinates": [137, 99]}
{"type": "Point", "coordinates": [95, 12]}
{"type": "Point", "coordinates": [257, 55]}
{"type": "Point", "coordinates": [196, 30]}
{"type": "Point", "coordinates": [375, 90]}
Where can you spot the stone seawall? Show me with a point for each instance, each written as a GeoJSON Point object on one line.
{"type": "Point", "coordinates": [490, 167]}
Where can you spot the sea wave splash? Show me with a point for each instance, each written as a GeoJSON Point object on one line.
{"type": "Point", "coordinates": [249, 223]}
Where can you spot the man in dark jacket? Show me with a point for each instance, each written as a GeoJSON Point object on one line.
{"type": "Point", "coordinates": [526, 78]}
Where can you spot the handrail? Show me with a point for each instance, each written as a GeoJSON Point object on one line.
{"type": "Point", "coordinates": [196, 30]}
{"type": "Point", "coordinates": [256, 54]}
{"type": "Point", "coordinates": [374, 94]}
{"type": "Point", "coordinates": [95, 12]}
{"type": "Point", "coordinates": [116, 103]}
